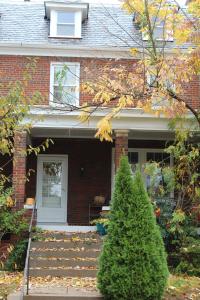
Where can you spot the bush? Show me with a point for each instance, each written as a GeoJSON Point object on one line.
{"type": "Point", "coordinates": [17, 257]}
{"type": "Point", "coordinates": [133, 261]}
{"type": "Point", "coordinates": [11, 221]}
{"type": "Point", "coordinates": [187, 259]}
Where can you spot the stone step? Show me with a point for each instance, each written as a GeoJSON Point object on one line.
{"type": "Point", "coordinates": [51, 235]}
{"type": "Point", "coordinates": [65, 245]}
{"type": "Point", "coordinates": [61, 297]}
{"type": "Point", "coordinates": [81, 273]}
{"type": "Point", "coordinates": [60, 253]}
{"type": "Point", "coordinates": [61, 293]}
{"type": "Point", "coordinates": [42, 263]}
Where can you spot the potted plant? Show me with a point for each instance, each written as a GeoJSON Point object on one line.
{"type": "Point", "coordinates": [101, 224]}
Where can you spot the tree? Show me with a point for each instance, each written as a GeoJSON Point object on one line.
{"type": "Point", "coordinates": [160, 73]}
{"type": "Point", "coordinates": [15, 104]}
{"type": "Point", "coordinates": [133, 261]}
{"type": "Point", "coordinates": [157, 81]}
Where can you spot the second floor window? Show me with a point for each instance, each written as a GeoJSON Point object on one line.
{"type": "Point", "coordinates": [64, 85]}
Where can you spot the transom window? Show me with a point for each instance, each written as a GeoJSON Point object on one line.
{"type": "Point", "coordinates": [65, 83]}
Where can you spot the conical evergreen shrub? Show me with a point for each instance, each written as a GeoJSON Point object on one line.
{"type": "Point", "coordinates": [133, 263]}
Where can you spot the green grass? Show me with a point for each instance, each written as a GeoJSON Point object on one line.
{"type": "Point", "coordinates": [183, 287]}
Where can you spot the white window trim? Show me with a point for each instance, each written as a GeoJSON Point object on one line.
{"type": "Point", "coordinates": [52, 70]}
{"type": "Point", "coordinates": [77, 22]}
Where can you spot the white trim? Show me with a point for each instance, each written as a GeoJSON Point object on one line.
{"type": "Point", "coordinates": [77, 23]}
{"type": "Point", "coordinates": [67, 228]}
{"type": "Point", "coordinates": [133, 119]}
{"type": "Point", "coordinates": [52, 71]}
{"type": "Point", "coordinates": [47, 49]}
{"type": "Point", "coordinates": [83, 7]}
{"type": "Point", "coordinates": [43, 157]}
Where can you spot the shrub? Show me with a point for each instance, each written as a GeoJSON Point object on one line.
{"type": "Point", "coordinates": [17, 257]}
{"type": "Point", "coordinates": [133, 261]}
{"type": "Point", "coordinates": [10, 221]}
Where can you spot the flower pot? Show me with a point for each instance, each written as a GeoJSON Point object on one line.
{"type": "Point", "coordinates": [101, 229]}
{"type": "Point", "coordinates": [30, 201]}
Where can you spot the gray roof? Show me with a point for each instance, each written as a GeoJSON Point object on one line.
{"type": "Point", "coordinates": [106, 26]}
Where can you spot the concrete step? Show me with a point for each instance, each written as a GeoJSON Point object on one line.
{"type": "Point", "coordinates": [54, 272]}
{"type": "Point", "coordinates": [39, 263]}
{"type": "Point", "coordinates": [60, 293]}
{"type": "Point", "coordinates": [51, 235]}
{"type": "Point", "coordinates": [65, 245]}
{"type": "Point", "coordinates": [56, 297]}
{"type": "Point", "coordinates": [60, 253]}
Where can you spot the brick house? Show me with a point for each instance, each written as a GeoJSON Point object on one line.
{"type": "Point", "coordinates": [78, 35]}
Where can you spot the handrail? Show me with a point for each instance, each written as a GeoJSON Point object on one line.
{"type": "Point", "coordinates": [25, 284]}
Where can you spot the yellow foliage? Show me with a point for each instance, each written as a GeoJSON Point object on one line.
{"type": "Point", "coordinates": [10, 202]}
{"type": "Point", "coordinates": [104, 129]}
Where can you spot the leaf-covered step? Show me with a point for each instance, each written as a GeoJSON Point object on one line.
{"type": "Point", "coordinates": [66, 253]}
{"type": "Point", "coordinates": [81, 273]}
{"type": "Point", "coordinates": [53, 236]}
{"type": "Point", "coordinates": [65, 244]}
{"type": "Point", "coordinates": [62, 263]}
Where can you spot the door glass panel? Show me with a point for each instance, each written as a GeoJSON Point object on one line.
{"type": "Point", "coordinates": [133, 160]}
{"type": "Point", "coordinates": [52, 184]}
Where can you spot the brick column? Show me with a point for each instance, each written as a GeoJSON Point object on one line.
{"type": "Point", "coordinates": [19, 168]}
{"type": "Point", "coordinates": [121, 145]}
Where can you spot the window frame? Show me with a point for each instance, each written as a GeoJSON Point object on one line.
{"type": "Point", "coordinates": [52, 83]}
{"type": "Point", "coordinates": [77, 23]}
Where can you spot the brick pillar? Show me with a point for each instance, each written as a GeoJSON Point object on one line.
{"type": "Point", "coordinates": [121, 145]}
{"type": "Point", "coordinates": [19, 168]}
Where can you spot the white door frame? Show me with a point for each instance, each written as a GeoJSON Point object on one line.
{"type": "Point", "coordinates": [41, 158]}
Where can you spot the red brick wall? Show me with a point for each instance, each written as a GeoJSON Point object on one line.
{"type": "Point", "coordinates": [95, 158]}
{"type": "Point", "coordinates": [121, 147]}
{"type": "Point", "coordinates": [11, 68]}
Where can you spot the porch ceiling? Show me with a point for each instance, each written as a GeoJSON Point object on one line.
{"type": "Point", "coordinates": [90, 133]}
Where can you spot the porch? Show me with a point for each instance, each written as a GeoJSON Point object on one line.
{"type": "Point", "coordinates": [67, 176]}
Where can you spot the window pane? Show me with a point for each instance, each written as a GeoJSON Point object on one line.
{"type": "Point", "coordinates": [65, 17]}
{"type": "Point", "coordinates": [133, 157]}
{"type": "Point", "coordinates": [158, 33]}
{"type": "Point", "coordinates": [51, 184]}
{"type": "Point", "coordinates": [68, 30]}
{"type": "Point", "coordinates": [66, 95]}
{"type": "Point", "coordinates": [159, 157]}
{"type": "Point", "coordinates": [65, 75]}
{"type": "Point", "coordinates": [133, 160]}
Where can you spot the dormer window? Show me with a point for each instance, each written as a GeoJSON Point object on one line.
{"type": "Point", "coordinates": [160, 32]}
{"type": "Point", "coordinates": [66, 23]}
{"type": "Point", "coordinates": [66, 18]}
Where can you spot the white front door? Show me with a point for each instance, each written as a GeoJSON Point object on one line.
{"type": "Point", "coordinates": [52, 188]}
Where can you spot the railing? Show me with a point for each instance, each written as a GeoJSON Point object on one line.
{"type": "Point", "coordinates": [25, 284]}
